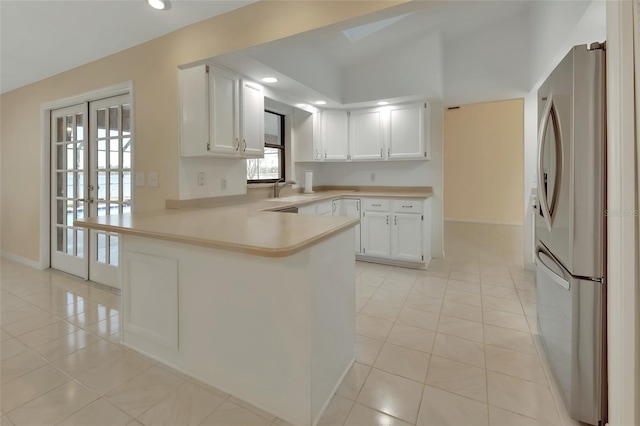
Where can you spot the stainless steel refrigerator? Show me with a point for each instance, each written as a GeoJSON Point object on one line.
{"type": "Point", "coordinates": [571, 229]}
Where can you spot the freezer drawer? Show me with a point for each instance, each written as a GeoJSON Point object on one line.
{"type": "Point", "coordinates": [571, 324]}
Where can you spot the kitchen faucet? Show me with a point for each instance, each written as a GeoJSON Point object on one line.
{"type": "Point", "coordinates": [277, 186]}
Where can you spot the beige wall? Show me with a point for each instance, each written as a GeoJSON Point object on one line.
{"type": "Point", "coordinates": [152, 67]}
{"type": "Point", "coordinates": [483, 162]}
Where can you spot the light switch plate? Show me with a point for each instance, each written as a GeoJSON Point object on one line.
{"type": "Point", "coordinates": [140, 179]}
{"type": "Point", "coordinates": [153, 179]}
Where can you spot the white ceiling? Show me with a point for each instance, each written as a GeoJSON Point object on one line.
{"type": "Point", "coordinates": [325, 64]}
{"type": "Point", "coordinates": [39, 39]}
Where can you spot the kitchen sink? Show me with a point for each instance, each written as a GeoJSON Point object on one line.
{"type": "Point", "coordinates": [293, 198]}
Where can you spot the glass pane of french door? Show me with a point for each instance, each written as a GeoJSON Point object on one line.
{"type": "Point", "coordinates": [68, 189]}
{"type": "Point", "coordinates": [110, 179]}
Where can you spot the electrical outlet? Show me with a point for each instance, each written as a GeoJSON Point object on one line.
{"type": "Point", "coordinates": [200, 178]}
{"type": "Point", "coordinates": [373, 177]}
{"type": "Point", "coordinates": [153, 179]}
{"type": "Point", "coordinates": [223, 184]}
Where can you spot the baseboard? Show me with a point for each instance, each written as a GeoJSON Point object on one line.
{"type": "Point", "coordinates": [487, 222]}
{"type": "Point", "coordinates": [22, 260]}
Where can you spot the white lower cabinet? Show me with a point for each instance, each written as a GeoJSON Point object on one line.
{"type": "Point", "coordinates": [391, 230]}
{"type": "Point", "coordinates": [376, 234]}
{"type": "Point", "coordinates": [349, 207]}
{"type": "Point", "coordinates": [395, 229]}
{"type": "Point", "coordinates": [406, 237]}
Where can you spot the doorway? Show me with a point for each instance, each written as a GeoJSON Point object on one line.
{"type": "Point", "coordinates": [91, 158]}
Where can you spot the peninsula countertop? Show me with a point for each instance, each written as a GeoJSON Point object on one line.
{"type": "Point", "coordinates": [251, 227]}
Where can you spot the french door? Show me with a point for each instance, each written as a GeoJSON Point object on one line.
{"type": "Point", "coordinates": [91, 157]}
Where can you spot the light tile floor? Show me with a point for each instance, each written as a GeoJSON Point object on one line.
{"type": "Point", "coordinates": [452, 345]}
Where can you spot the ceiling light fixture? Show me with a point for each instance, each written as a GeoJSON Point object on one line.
{"type": "Point", "coordinates": [383, 103]}
{"type": "Point", "coordinates": [159, 4]}
{"type": "Point", "coordinates": [270, 79]}
{"type": "Point", "coordinates": [320, 102]}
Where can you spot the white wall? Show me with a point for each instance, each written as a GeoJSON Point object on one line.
{"type": "Point", "coordinates": [215, 169]}
{"type": "Point", "coordinates": [394, 173]}
{"type": "Point", "coordinates": [410, 70]}
{"type": "Point", "coordinates": [489, 64]}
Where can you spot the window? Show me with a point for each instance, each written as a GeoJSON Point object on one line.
{"type": "Point", "coordinates": [271, 167]}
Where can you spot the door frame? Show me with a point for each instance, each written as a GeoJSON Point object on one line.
{"type": "Point", "coordinates": [622, 244]}
{"type": "Point", "coordinates": [45, 155]}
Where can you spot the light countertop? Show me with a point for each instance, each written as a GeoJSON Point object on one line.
{"type": "Point", "coordinates": [248, 227]}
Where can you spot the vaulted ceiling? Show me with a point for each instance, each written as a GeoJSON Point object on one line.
{"type": "Point", "coordinates": [39, 39]}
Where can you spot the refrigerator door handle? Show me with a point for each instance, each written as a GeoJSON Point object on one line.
{"type": "Point", "coordinates": [544, 258]}
{"type": "Point", "coordinates": [545, 203]}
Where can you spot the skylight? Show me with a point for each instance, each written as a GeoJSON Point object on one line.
{"type": "Point", "coordinates": [363, 31]}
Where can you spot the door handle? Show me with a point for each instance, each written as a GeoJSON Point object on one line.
{"type": "Point", "coordinates": [88, 200]}
{"type": "Point", "coordinates": [561, 281]}
{"type": "Point", "coordinates": [545, 203]}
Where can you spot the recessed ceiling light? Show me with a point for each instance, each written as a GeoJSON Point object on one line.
{"type": "Point", "coordinates": [269, 79]}
{"type": "Point", "coordinates": [383, 103]}
{"type": "Point", "coordinates": [320, 102]}
{"type": "Point", "coordinates": [159, 4]}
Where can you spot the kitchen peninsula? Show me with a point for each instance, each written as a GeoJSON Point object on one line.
{"type": "Point", "coordinates": [259, 304]}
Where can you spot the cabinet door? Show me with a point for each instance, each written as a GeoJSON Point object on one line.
{"type": "Point", "coordinates": [366, 136]}
{"type": "Point", "coordinates": [252, 120]}
{"type": "Point", "coordinates": [376, 234]}
{"type": "Point", "coordinates": [224, 112]}
{"type": "Point", "coordinates": [194, 110]}
{"type": "Point", "coordinates": [351, 208]}
{"type": "Point", "coordinates": [406, 237]}
{"type": "Point", "coordinates": [335, 134]}
{"type": "Point", "coordinates": [407, 131]}
{"type": "Point", "coordinates": [317, 137]}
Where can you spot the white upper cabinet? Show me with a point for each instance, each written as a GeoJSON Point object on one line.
{"type": "Point", "coordinates": [194, 110]}
{"type": "Point", "coordinates": [398, 132]}
{"type": "Point", "coordinates": [366, 134]}
{"type": "Point", "coordinates": [252, 119]}
{"type": "Point", "coordinates": [408, 130]}
{"type": "Point", "coordinates": [224, 112]}
{"type": "Point", "coordinates": [221, 114]}
{"type": "Point", "coordinates": [334, 133]}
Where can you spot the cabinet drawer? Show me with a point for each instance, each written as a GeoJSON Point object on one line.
{"type": "Point", "coordinates": [375, 205]}
{"type": "Point", "coordinates": [407, 206]}
{"type": "Point", "coordinates": [324, 207]}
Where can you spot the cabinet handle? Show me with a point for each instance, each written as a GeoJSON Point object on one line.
{"type": "Point", "coordinates": [317, 153]}
{"type": "Point", "coordinates": [387, 219]}
{"type": "Point", "coordinates": [237, 144]}
{"type": "Point", "coordinates": [407, 207]}
{"type": "Point", "coordinates": [380, 152]}
{"type": "Point", "coordinates": [395, 220]}
{"type": "Point", "coordinates": [325, 153]}
{"type": "Point", "coordinates": [388, 152]}
{"type": "Point", "coordinates": [245, 145]}
{"type": "Point", "coordinates": [376, 205]}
